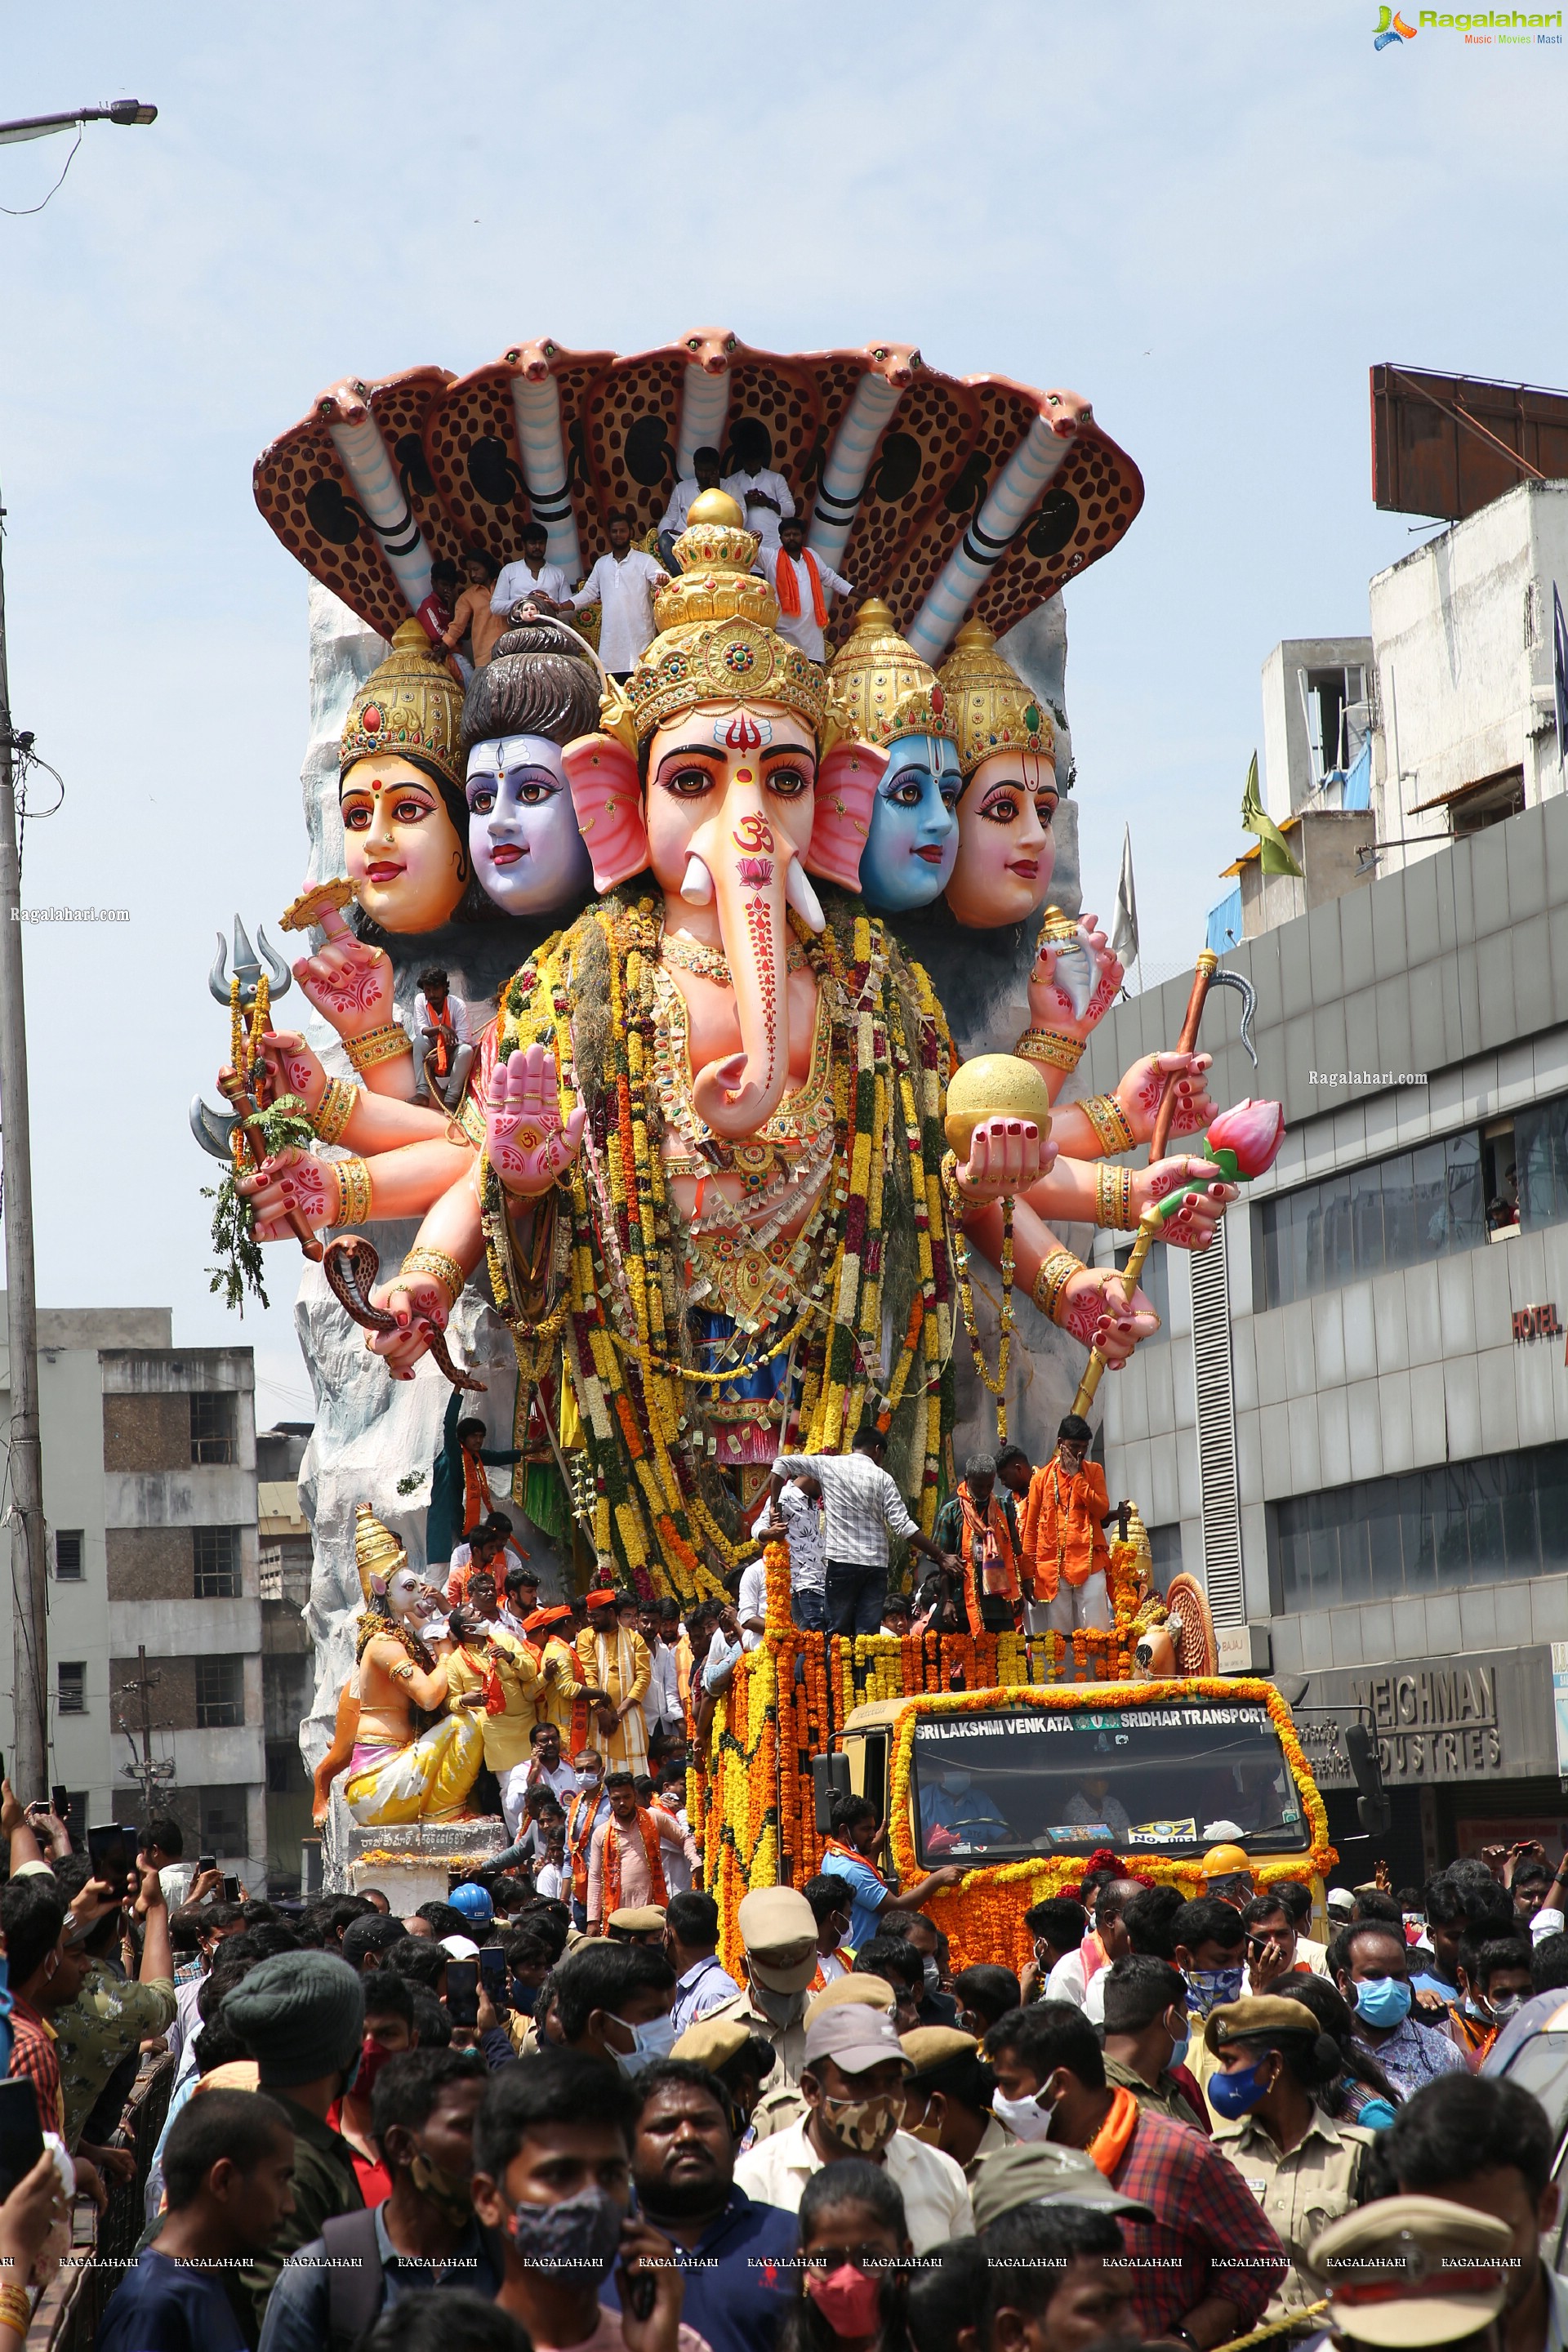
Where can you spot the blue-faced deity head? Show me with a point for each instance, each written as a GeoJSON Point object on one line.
{"type": "Point", "coordinates": [909, 856]}
{"type": "Point", "coordinates": [536, 693]}
{"type": "Point", "coordinates": [884, 694]}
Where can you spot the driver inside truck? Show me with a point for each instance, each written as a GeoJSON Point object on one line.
{"type": "Point", "coordinates": [955, 1815]}
{"type": "Point", "coordinates": [1094, 1807]}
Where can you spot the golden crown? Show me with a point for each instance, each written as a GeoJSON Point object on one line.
{"type": "Point", "coordinates": [881, 690]}
{"type": "Point", "coordinates": [378, 1551]}
{"type": "Point", "coordinates": [717, 640]}
{"type": "Point", "coordinates": [411, 704]}
{"type": "Point", "coordinates": [992, 710]}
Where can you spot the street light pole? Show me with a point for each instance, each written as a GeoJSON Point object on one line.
{"type": "Point", "coordinates": [29, 1588]}
{"type": "Point", "coordinates": [29, 1556]}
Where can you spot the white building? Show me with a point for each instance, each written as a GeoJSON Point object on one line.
{"type": "Point", "coordinates": [148, 1457]}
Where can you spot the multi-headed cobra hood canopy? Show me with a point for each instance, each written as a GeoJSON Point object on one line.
{"type": "Point", "coordinates": [948, 497]}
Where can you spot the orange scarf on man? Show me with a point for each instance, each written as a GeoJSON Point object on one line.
{"type": "Point", "coordinates": [656, 1890]}
{"type": "Point", "coordinates": [787, 587]}
{"type": "Point", "coordinates": [1114, 2137]}
{"type": "Point", "coordinates": [988, 1544]}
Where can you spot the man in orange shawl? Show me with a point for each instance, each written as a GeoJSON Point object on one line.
{"type": "Point", "coordinates": [1064, 1547]}
{"type": "Point", "coordinates": [977, 1527]}
{"type": "Point", "coordinates": [625, 1867]}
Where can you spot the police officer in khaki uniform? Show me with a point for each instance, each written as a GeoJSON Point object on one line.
{"type": "Point", "coordinates": [1305, 2169]}
{"type": "Point", "coordinates": [1409, 2271]}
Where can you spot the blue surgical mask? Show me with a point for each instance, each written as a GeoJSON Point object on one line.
{"type": "Point", "coordinates": [1235, 2094]}
{"type": "Point", "coordinates": [1180, 2045]}
{"type": "Point", "coordinates": [1211, 1988]}
{"type": "Point", "coordinates": [649, 2044]}
{"type": "Point", "coordinates": [1383, 2001]}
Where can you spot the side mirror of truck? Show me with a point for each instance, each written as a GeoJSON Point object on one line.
{"type": "Point", "coordinates": [1372, 1809]}
{"type": "Point", "coordinates": [829, 1779]}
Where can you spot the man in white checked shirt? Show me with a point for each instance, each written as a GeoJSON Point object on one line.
{"type": "Point", "coordinates": [862, 1507]}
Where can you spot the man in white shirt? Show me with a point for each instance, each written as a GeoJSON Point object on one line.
{"type": "Point", "coordinates": [706, 463]}
{"type": "Point", "coordinates": [862, 1507]}
{"type": "Point", "coordinates": [752, 1604]}
{"type": "Point", "coordinates": [661, 1705]}
{"type": "Point", "coordinates": [854, 2058]}
{"type": "Point", "coordinates": [533, 581]}
{"type": "Point", "coordinates": [622, 584]}
{"type": "Point", "coordinates": [764, 498]}
{"type": "Point", "coordinates": [800, 1508]}
{"type": "Point", "coordinates": [805, 589]}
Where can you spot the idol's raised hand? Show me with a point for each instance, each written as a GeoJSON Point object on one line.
{"type": "Point", "coordinates": [527, 1141]}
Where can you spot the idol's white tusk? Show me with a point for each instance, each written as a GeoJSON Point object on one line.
{"type": "Point", "coordinates": [803, 897]}
{"type": "Point", "coordinates": [696, 889]}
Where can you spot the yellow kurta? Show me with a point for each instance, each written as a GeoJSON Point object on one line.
{"type": "Point", "coordinates": [505, 1736]}
{"type": "Point", "coordinates": [553, 1699]}
{"type": "Point", "coordinates": [618, 1663]}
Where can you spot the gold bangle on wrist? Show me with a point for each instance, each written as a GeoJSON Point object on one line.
{"type": "Point", "coordinates": [1054, 1047]}
{"type": "Point", "coordinates": [435, 1265]}
{"type": "Point", "coordinates": [1109, 1120]}
{"type": "Point", "coordinates": [15, 2311]}
{"type": "Point", "coordinates": [335, 1110]}
{"type": "Point", "coordinates": [353, 1192]}
{"type": "Point", "coordinates": [382, 1045]}
{"type": "Point", "coordinates": [1113, 1198]}
{"type": "Point", "coordinates": [1051, 1282]}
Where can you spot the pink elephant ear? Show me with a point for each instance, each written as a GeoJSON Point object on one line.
{"type": "Point", "coordinates": [846, 787]}
{"type": "Point", "coordinates": [606, 793]}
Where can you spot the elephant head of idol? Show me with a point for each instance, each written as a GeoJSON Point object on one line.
{"type": "Point", "coordinates": [1006, 754]}
{"type": "Point", "coordinates": [720, 769]}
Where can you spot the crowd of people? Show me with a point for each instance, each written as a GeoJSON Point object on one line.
{"type": "Point", "coordinates": [473, 604]}
{"type": "Point", "coordinates": [543, 2112]}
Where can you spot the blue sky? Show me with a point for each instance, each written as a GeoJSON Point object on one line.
{"type": "Point", "coordinates": [1209, 218]}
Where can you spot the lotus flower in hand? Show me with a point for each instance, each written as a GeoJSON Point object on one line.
{"type": "Point", "coordinates": [1251, 1132]}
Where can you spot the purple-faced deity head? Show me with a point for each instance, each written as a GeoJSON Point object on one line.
{"type": "Point", "coordinates": [537, 691]}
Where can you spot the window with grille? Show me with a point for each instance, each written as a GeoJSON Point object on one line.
{"type": "Point", "coordinates": [71, 1686]}
{"type": "Point", "coordinates": [216, 1551]}
{"type": "Point", "coordinates": [213, 1426]}
{"type": "Point", "coordinates": [68, 1555]}
{"type": "Point", "coordinates": [220, 1693]}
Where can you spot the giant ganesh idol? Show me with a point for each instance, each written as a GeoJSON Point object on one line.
{"type": "Point", "coordinates": [708, 1164]}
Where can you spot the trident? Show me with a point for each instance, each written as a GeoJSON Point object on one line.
{"type": "Point", "coordinates": [1207, 975]}
{"type": "Point", "coordinates": [214, 1130]}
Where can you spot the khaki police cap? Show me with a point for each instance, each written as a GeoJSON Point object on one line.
{"type": "Point", "coordinates": [778, 1928]}
{"type": "Point", "coordinates": [637, 1919]}
{"type": "Point", "coordinates": [712, 2042]}
{"type": "Point", "coordinates": [875, 1991]}
{"type": "Point", "coordinates": [1412, 2270]}
{"type": "Point", "coordinates": [1261, 2013]}
{"type": "Point", "coordinates": [933, 2045]}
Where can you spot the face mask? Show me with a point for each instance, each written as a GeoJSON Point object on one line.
{"type": "Point", "coordinates": [372, 2057]}
{"type": "Point", "coordinates": [1507, 2005]}
{"type": "Point", "coordinates": [447, 2191]}
{"type": "Point", "coordinates": [523, 1997]}
{"type": "Point", "coordinates": [932, 1977]}
{"type": "Point", "coordinates": [650, 2042]}
{"type": "Point", "coordinates": [351, 2077]}
{"type": "Point", "coordinates": [931, 2133]}
{"type": "Point", "coordinates": [865, 2125]}
{"type": "Point", "coordinates": [1025, 2118]}
{"type": "Point", "coordinates": [1231, 2095]}
{"type": "Point", "coordinates": [1383, 2001]}
{"type": "Point", "coordinates": [849, 2300]}
{"type": "Point", "coordinates": [1209, 1988]}
{"type": "Point", "coordinates": [581, 2233]}
{"type": "Point", "coordinates": [1180, 2044]}
{"type": "Point", "coordinates": [778, 2008]}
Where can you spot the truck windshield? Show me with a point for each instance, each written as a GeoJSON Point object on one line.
{"type": "Point", "coordinates": [1179, 1777]}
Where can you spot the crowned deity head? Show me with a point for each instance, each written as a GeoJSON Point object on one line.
{"type": "Point", "coordinates": [720, 767]}
{"type": "Point", "coordinates": [537, 692]}
{"type": "Point", "coordinates": [400, 790]}
{"type": "Point", "coordinates": [391, 1589]}
{"type": "Point", "coordinates": [1007, 755]}
{"type": "Point", "coordinates": [883, 693]}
